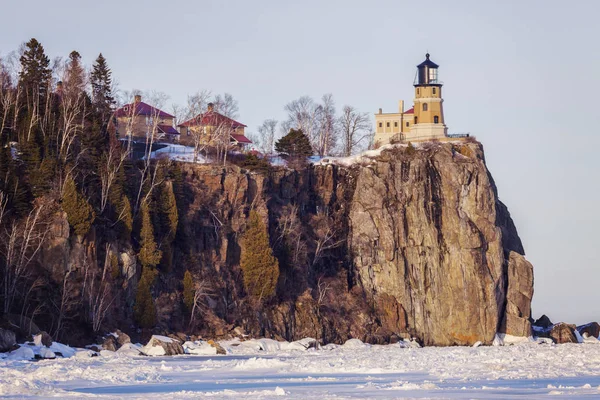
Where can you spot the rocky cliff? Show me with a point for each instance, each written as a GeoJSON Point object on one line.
{"type": "Point", "coordinates": [406, 243]}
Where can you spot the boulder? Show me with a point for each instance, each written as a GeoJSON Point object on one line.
{"type": "Point", "coordinates": [8, 340]}
{"type": "Point", "coordinates": [110, 343]}
{"type": "Point", "coordinates": [220, 349]}
{"type": "Point", "coordinates": [162, 346]}
{"type": "Point", "coordinates": [42, 339]}
{"type": "Point", "coordinates": [543, 322]}
{"type": "Point", "coordinates": [518, 296]}
{"type": "Point", "coordinates": [46, 353]}
{"type": "Point", "coordinates": [592, 330]}
{"type": "Point", "coordinates": [122, 337]}
{"type": "Point", "coordinates": [563, 333]}
{"type": "Point", "coordinates": [239, 331]}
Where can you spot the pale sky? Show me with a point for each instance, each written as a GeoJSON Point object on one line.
{"type": "Point", "coordinates": [522, 76]}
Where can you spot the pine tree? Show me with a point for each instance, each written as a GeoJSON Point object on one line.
{"type": "Point", "coordinates": [188, 291]}
{"type": "Point", "coordinates": [80, 213]}
{"type": "Point", "coordinates": [149, 255]}
{"type": "Point", "coordinates": [102, 94]}
{"type": "Point", "coordinates": [259, 267]}
{"type": "Point", "coordinates": [35, 75]}
{"type": "Point", "coordinates": [126, 218]}
{"type": "Point", "coordinates": [144, 310]}
{"type": "Point", "coordinates": [168, 214]}
{"type": "Point", "coordinates": [75, 74]}
{"type": "Point", "coordinates": [295, 144]}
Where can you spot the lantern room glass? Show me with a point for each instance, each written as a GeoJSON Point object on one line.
{"type": "Point", "coordinates": [433, 75]}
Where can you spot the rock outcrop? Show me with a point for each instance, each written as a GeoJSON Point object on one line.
{"type": "Point", "coordinates": [591, 330]}
{"type": "Point", "coordinates": [563, 333]}
{"type": "Point", "coordinates": [7, 340]}
{"type": "Point", "coordinates": [428, 230]}
{"type": "Point", "coordinates": [162, 346]}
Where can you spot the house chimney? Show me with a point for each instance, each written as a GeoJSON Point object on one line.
{"type": "Point", "coordinates": [401, 106]}
{"type": "Point", "coordinates": [211, 107]}
{"type": "Point", "coordinates": [380, 111]}
{"type": "Point", "coordinates": [138, 98]}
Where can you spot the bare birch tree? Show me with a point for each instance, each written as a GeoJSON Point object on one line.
{"type": "Point", "coordinates": [304, 114]}
{"type": "Point", "coordinates": [148, 175]}
{"type": "Point", "coordinates": [355, 128]}
{"type": "Point", "coordinates": [98, 293]}
{"type": "Point", "coordinates": [72, 105]}
{"type": "Point", "coordinates": [113, 160]}
{"type": "Point", "coordinates": [201, 293]}
{"type": "Point", "coordinates": [327, 133]}
{"type": "Point", "coordinates": [227, 106]}
{"type": "Point", "coordinates": [19, 245]}
{"type": "Point", "coordinates": [267, 134]}
{"type": "Point", "coordinates": [197, 105]}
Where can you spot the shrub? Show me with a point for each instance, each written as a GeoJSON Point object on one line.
{"type": "Point", "coordinates": [188, 291]}
{"type": "Point", "coordinates": [80, 213]}
{"type": "Point", "coordinates": [259, 267]}
{"type": "Point", "coordinates": [253, 163]}
{"type": "Point", "coordinates": [144, 310]}
{"type": "Point", "coordinates": [115, 271]}
{"type": "Point", "coordinates": [465, 150]}
{"type": "Point", "coordinates": [149, 255]}
{"type": "Point", "coordinates": [295, 144]}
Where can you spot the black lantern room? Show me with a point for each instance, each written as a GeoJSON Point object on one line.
{"type": "Point", "coordinates": [427, 73]}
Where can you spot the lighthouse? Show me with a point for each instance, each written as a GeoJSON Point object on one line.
{"type": "Point", "coordinates": [425, 120]}
{"type": "Point", "coordinates": [429, 111]}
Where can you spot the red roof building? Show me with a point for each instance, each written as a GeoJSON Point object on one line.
{"type": "Point", "coordinates": [137, 120]}
{"type": "Point", "coordinates": [205, 125]}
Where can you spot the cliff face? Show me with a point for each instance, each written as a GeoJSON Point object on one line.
{"type": "Point", "coordinates": [430, 231]}
{"type": "Point", "coordinates": [408, 243]}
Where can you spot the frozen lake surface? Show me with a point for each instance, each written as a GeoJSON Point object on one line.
{"type": "Point", "coordinates": [353, 371]}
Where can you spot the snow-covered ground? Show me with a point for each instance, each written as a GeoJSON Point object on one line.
{"type": "Point", "coordinates": [266, 369]}
{"type": "Point", "coordinates": [178, 152]}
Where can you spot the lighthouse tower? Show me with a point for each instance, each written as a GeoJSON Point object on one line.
{"type": "Point", "coordinates": [428, 113]}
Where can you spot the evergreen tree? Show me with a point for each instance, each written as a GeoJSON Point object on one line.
{"type": "Point", "coordinates": [149, 255]}
{"type": "Point", "coordinates": [35, 75]}
{"type": "Point", "coordinates": [259, 267]}
{"type": "Point", "coordinates": [102, 94]}
{"type": "Point", "coordinates": [75, 78]}
{"type": "Point", "coordinates": [144, 310]}
{"type": "Point", "coordinates": [11, 183]}
{"type": "Point", "coordinates": [295, 144]}
{"type": "Point", "coordinates": [126, 218]}
{"type": "Point", "coordinates": [80, 214]}
{"type": "Point", "coordinates": [188, 291]}
{"type": "Point", "coordinates": [167, 211]}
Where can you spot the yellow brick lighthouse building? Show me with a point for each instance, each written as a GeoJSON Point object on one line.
{"type": "Point", "coordinates": [425, 121]}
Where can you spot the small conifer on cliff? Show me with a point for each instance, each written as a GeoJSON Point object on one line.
{"type": "Point", "coordinates": [80, 213]}
{"type": "Point", "coordinates": [259, 267]}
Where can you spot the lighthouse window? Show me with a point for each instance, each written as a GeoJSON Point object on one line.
{"type": "Point", "coordinates": [432, 75]}
{"type": "Point", "coordinates": [407, 123]}
{"type": "Point", "coordinates": [436, 120]}
{"type": "Point", "coordinates": [381, 124]}
{"type": "Point", "coordinates": [395, 124]}
{"type": "Point", "coordinates": [418, 91]}
{"type": "Point", "coordinates": [433, 90]}
{"type": "Point", "coordinates": [387, 124]}
{"type": "Point", "coordinates": [415, 120]}
{"type": "Point", "coordinates": [424, 106]}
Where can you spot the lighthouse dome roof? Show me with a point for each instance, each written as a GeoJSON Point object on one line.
{"type": "Point", "coordinates": [427, 63]}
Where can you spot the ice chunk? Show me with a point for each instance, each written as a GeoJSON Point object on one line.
{"type": "Point", "coordinates": [22, 353]}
